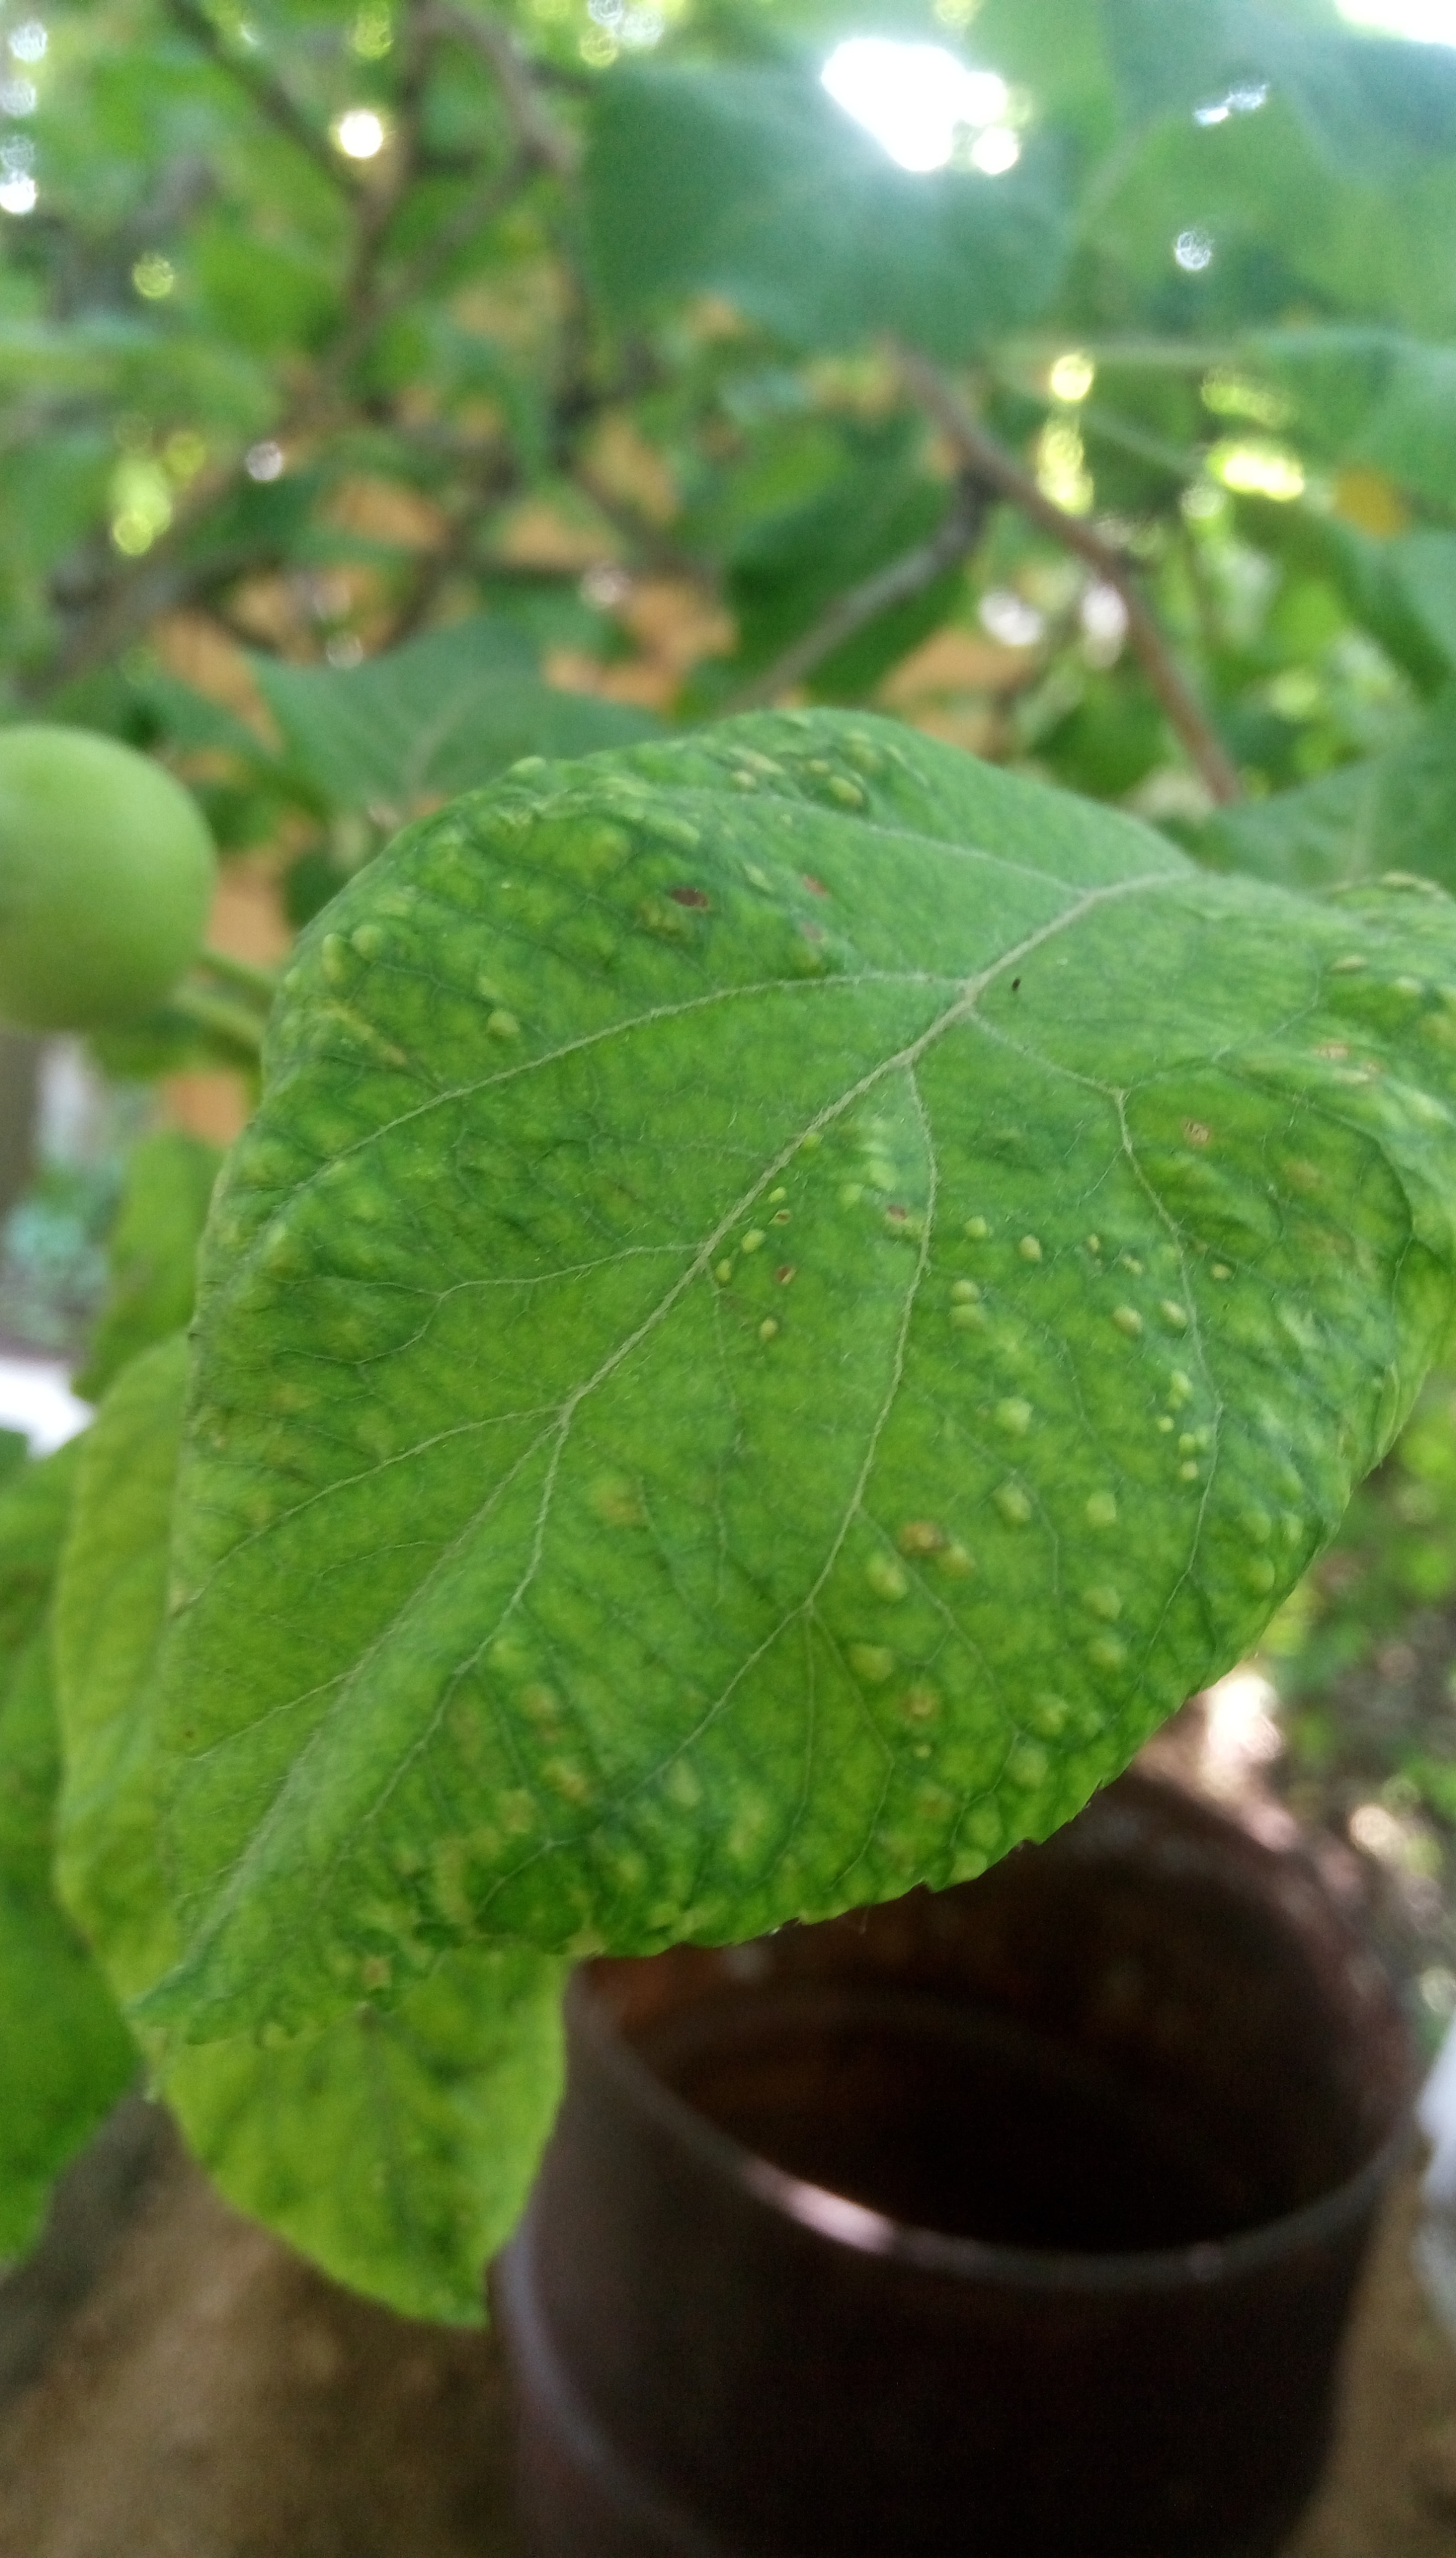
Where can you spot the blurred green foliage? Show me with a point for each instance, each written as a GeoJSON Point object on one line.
{"type": "Point", "coordinates": [587, 373]}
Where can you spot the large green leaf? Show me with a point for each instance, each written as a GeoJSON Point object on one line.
{"type": "Point", "coordinates": [1426, 565]}
{"type": "Point", "coordinates": [790, 1295]}
{"type": "Point", "coordinates": [1358, 92]}
{"type": "Point", "coordinates": [438, 715]}
{"type": "Point", "coordinates": [1371, 395]}
{"type": "Point", "coordinates": [1365, 574]}
{"type": "Point", "coordinates": [396, 2146]}
{"type": "Point", "coordinates": [188, 718]}
{"type": "Point", "coordinates": [1166, 60]}
{"type": "Point", "coordinates": [1410, 433]}
{"type": "Point", "coordinates": [64, 2055]}
{"type": "Point", "coordinates": [1367, 244]}
{"type": "Point", "coordinates": [1062, 53]}
{"type": "Point", "coordinates": [1395, 811]}
{"type": "Point", "coordinates": [1369, 104]}
{"type": "Point", "coordinates": [751, 184]}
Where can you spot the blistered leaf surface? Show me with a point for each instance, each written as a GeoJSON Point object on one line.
{"type": "Point", "coordinates": [790, 1296]}
{"type": "Point", "coordinates": [395, 2145]}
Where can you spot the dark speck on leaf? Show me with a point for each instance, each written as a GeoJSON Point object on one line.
{"type": "Point", "coordinates": [1016, 985]}
{"type": "Point", "coordinates": [688, 896]}
{"type": "Point", "coordinates": [815, 885]}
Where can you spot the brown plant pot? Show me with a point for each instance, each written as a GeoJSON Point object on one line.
{"type": "Point", "coordinates": [1018, 2221]}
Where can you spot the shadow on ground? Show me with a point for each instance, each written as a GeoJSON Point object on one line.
{"type": "Point", "coordinates": [174, 2384]}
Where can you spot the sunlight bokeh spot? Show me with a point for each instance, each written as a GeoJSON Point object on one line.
{"type": "Point", "coordinates": [1071, 377]}
{"type": "Point", "coordinates": [1427, 22]}
{"type": "Point", "coordinates": [1060, 468]}
{"type": "Point", "coordinates": [154, 276]}
{"type": "Point", "coordinates": [994, 151]}
{"type": "Point", "coordinates": [142, 503]}
{"type": "Point", "coordinates": [1258, 471]}
{"type": "Point", "coordinates": [1243, 100]}
{"type": "Point", "coordinates": [373, 31]}
{"type": "Point", "coordinates": [1231, 394]}
{"type": "Point", "coordinates": [1010, 618]}
{"type": "Point", "coordinates": [920, 103]}
{"type": "Point", "coordinates": [360, 133]}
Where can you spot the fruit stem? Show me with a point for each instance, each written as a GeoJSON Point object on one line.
{"type": "Point", "coordinates": [231, 1027]}
{"type": "Point", "coordinates": [261, 984]}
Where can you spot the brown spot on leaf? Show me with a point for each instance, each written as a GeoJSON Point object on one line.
{"type": "Point", "coordinates": [922, 1537]}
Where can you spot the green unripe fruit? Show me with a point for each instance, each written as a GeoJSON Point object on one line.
{"type": "Point", "coordinates": [106, 872]}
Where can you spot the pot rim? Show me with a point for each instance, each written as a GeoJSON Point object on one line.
{"type": "Point", "coordinates": [838, 2221]}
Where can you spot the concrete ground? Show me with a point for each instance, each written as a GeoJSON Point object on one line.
{"type": "Point", "coordinates": [174, 2383]}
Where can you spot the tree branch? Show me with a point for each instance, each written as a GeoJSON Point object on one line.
{"type": "Point", "coordinates": [135, 592]}
{"type": "Point", "coordinates": [367, 306]}
{"type": "Point", "coordinates": [268, 94]}
{"type": "Point", "coordinates": [990, 463]}
{"type": "Point", "coordinates": [375, 206]}
{"type": "Point", "coordinates": [951, 541]}
{"type": "Point", "coordinates": [538, 135]}
{"type": "Point", "coordinates": [472, 217]}
{"type": "Point", "coordinates": [140, 590]}
{"type": "Point", "coordinates": [494, 481]}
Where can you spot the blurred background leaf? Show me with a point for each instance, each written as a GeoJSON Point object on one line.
{"type": "Point", "coordinates": [442, 714]}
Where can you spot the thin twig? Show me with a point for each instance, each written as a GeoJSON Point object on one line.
{"type": "Point", "coordinates": [377, 208]}
{"type": "Point", "coordinates": [496, 480]}
{"type": "Point", "coordinates": [536, 132]}
{"type": "Point", "coordinates": [989, 460]}
{"type": "Point", "coordinates": [266, 92]}
{"type": "Point", "coordinates": [463, 225]}
{"type": "Point", "coordinates": [142, 591]}
{"type": "Point", "coordinates": [138, 590]}
{"type": "Point", "coordinates": [951, 541]}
